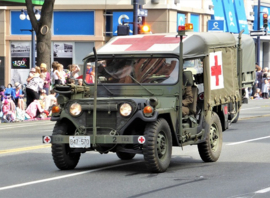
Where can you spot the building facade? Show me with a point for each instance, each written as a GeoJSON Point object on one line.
{"type": "Point", "coordinates": [80, 25]}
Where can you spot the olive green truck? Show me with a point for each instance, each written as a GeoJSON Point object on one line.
{"type": "Point", "coordinates": [132, 96]}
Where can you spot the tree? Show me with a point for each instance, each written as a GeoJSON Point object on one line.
{"type": "Point", "coordinates": [42, 29]}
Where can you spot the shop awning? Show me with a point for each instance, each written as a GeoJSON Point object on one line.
{"type": "Point", "coordinates": [20, 2]}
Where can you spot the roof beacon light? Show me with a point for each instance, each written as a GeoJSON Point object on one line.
{"type": "Point", "coordinates": [189, 27]}
{"type": "Point", "coordinates": [183, 28]}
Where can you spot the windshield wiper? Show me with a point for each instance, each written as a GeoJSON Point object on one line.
{"type": "Point", "coordinates": [142, 85]}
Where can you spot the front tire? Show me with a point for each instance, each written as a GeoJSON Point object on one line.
{"type": "Point", "coordinates": [62, 156]}
{"type": "Point", "coordinates": [210, 149]}
{"type": "Point", "coordinates": [157, 149]}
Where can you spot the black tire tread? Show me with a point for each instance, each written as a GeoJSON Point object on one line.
{"type": "Point", "coordinates": [152, 162]}
{"type": "Point", "coordinates": [62, 160]}
{"type": "Point", "coordinates": [204, 148]}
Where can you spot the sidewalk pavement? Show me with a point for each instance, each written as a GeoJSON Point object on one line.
{"type": "Point", "coordinates": [28, 120]}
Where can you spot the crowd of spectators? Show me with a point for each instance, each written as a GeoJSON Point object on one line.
{"type": "Point", "coordinates": [35, 99]}
{"type": "Point", "coordinates": [261, 88]}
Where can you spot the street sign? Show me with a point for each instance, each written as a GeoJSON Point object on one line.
{"type": "Point", "coordinates": [258, 33]}
{"type": "Point", "coordinates": [215, 26]}
{"type": "Point", "coordinates": [142, 12]}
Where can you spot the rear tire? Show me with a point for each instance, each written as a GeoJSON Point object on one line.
{"type": "Point", "coordinates": [63, 159]}
{"type": "Point", "coordinates": [210, 149]}
{"type": "Point", "coordinates": [157, 149]}
{"type": "Point", "coordinates": [125, 156]}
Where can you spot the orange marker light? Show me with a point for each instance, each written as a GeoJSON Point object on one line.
{"type": "Point", "coordinates": [189, 26]}
{"type": "Point", "coordinates": [146, 28]}
{"type": "Point", "coordinates": [148, 110]}
{"type": "Point", "coordinates": [55, 109]}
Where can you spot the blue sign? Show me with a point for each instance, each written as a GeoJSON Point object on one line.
{"type": "Point", "coordinates": [218, 12]}
{"type": "Point", "coordinates": [119, 18]}
{"type": "Point", "coordinates": [241, 16]}
{"type": "Point", "coordinates": [195, 20]}
{"type": "Point", "coordinates": [215, 26]}
{"type": "Point", "coordinates": [18, 26]}
{"type": "Point", "coordinates": [232, 25]}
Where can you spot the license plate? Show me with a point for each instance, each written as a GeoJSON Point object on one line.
{"type": "Point", "coordinates": [79, 141]}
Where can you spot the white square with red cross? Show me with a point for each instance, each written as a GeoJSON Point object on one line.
{"type": "Point", "coordinates": [216, 70]}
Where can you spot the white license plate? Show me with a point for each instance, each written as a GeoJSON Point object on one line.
{"type": "Point", "coordinates": [79, 141]}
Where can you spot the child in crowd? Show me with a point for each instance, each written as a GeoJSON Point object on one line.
{"type": "Point", "coordinates": [80, 82]}
{"type": "Point", "coordinates": [257, 94]}
{"type": "Point", "coordinates": [8, 115]}
{"type": "Point", "coordinates": [265, 86]}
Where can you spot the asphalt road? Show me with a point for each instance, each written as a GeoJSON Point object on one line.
{"type": "Point", "coordinates": [27, 169]}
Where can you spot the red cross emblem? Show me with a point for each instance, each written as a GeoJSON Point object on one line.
{"type": "Point", "coordinates": [216, 70]}
{"type": "Point", "coordinates": [47, 139]}
{"type": "Point", "coordinates": [141, 140]}
{"type": "Point", "coordinates": [145, 42]}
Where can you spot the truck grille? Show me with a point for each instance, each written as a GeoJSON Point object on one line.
{"type": "Point", "coordinates": [105, 122]}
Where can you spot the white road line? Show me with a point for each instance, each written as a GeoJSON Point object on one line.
{"type": "Point", "coordinates": [250, 108]}
{"type": "Point", "coordinates": [64, 176]}
{"type": "Point", "coordinates": [251, 140]}
{"type": "Point", "coordinates": [263, 190]}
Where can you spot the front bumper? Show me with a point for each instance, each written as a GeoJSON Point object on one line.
{"type": "Point", "coordinates": [99, 139]}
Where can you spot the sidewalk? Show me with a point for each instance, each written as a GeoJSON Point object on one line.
{"type": "Point", "coordinates": [28, 120]}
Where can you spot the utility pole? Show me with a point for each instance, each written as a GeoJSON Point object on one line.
{"type": "Point", "coordinates": [135, 16]}
{"type": "Point", "coordinates": [258, 37]}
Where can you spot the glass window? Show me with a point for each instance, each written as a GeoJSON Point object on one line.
{"type": "Point", "coordinates": [134, 71]}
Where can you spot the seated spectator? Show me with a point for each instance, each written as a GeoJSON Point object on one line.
{"type": "Point", "coordinates": [9, 92]}
{"type": "Point", "coordinates": [19, 96]}
{"type": "Point", "coordinates": [8, 114]}
{"type": "Point", "coordinates": [257, 94]}
{"type": "Point", "coordinates": [34, 109]}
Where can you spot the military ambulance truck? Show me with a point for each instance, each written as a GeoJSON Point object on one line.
{"type": "Point", "coordinates": [131, 101]}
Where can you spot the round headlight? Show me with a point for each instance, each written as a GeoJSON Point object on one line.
{"type": "Point", "coordinates": [75, 109]}
{"type": "Point", "coordinates": [125, 109]}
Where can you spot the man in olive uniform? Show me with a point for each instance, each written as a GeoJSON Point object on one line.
{"type": "Point", "coordinates": [187, 99]}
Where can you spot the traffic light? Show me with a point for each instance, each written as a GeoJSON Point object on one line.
{"type": "Point", "coordinates": [265, 20]}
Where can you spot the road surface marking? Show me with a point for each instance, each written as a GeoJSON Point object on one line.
{"type": "Point", "coordinates": [251, 140]}
{"type": "Point", "coordinates": [250, 108]}
{"type": "Point", "coordinates": [25, 149]}
{"type": "Point", "coordinates": [64, 176]}
{"type": "Point", "coordinates": [263, 190]}
{"type": "Point", "coordinates": [259, 116]}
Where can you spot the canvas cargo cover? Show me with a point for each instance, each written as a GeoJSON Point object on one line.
{"type": "Point", "coordinates": [248, 60]}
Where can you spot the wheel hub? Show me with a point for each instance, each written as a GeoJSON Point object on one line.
{"type": "Point", "coordinates": [214, 137]}
{"type": "Point", "coordinates": [161, 145]}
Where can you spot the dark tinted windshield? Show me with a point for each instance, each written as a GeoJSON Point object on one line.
{"type": "Point", "coordinates": [129, 71]}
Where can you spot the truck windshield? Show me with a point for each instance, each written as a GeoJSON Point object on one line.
{"type": "Point", "coordinates": [134, 71]}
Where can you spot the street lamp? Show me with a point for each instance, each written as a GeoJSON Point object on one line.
{"type": "Point", "coordinates": [23, 16]}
